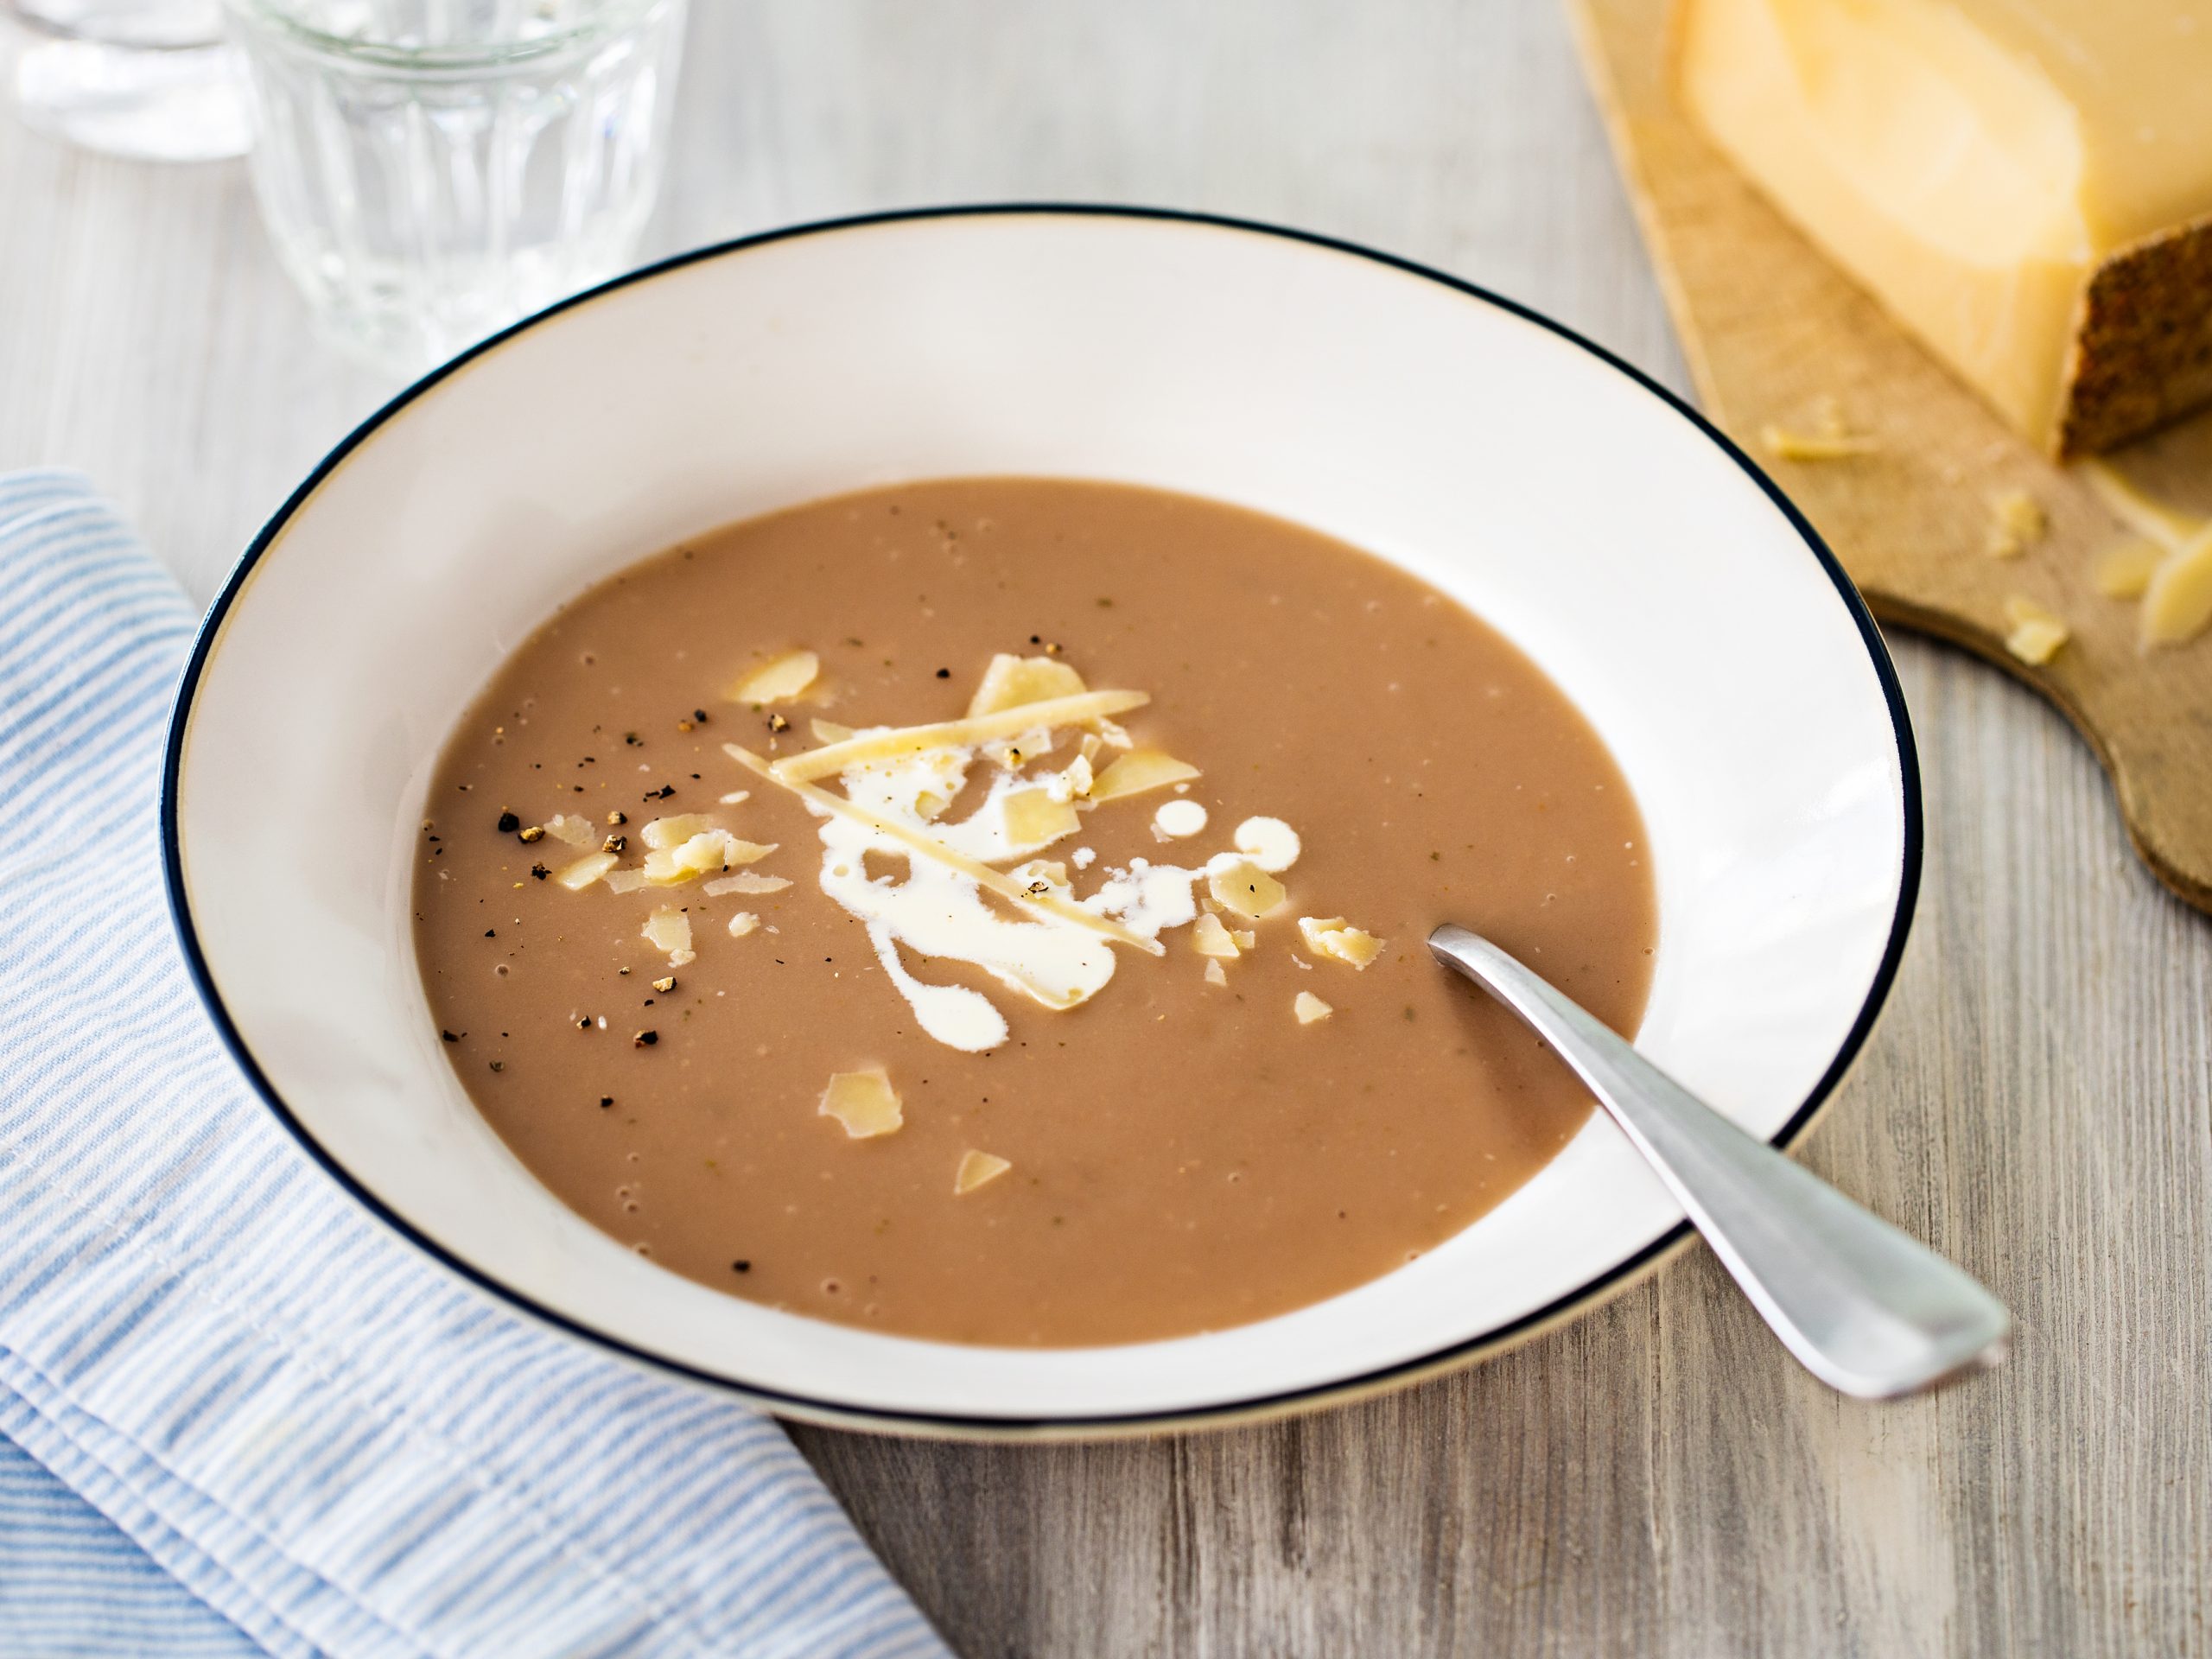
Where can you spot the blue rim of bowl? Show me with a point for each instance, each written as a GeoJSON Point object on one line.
{"type": "Point", "coordinates": [1451, 1356]}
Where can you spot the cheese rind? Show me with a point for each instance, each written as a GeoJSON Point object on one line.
{"type": "Point", "coordinates": [2026, 184]}
{"type": "Point", "coordinates": [2142, 352]}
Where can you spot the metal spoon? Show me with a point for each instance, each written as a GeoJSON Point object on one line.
{"type": "Point", "coordinates": [1867, 1310]}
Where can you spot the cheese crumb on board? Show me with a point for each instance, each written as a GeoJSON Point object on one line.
{"type": "Point", "coordinates": [2037, 633]}
{"type": "Point", "coordinates": [1784, 443]}
{"type": "Point", "coordinates": [2170, 567]}
{"type": "Point", "coordinates": [2153, 520]}
{"type": "Point", "coordinates": [2017, 521]}
{"type": "Point", "coordinates": [1309, 1009]}
{"type": "Point", "coordinates": [2124, 572]}
{"type": "Point", "coordinates": [2178, 602]}
{"type": "Point", "coordinates": [1826, 437]}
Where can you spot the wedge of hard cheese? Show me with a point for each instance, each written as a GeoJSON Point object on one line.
{"type": "Point", "coordinates": [2024, 184]}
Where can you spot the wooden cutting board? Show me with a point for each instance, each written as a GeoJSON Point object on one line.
{"type": "Point", "coordinates": [1770, 329]}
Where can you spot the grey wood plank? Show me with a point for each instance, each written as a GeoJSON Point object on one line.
{"type": "Point", "coordinates": [1654, 1479]}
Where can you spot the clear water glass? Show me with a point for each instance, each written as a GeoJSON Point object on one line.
{"type": "Point", "coordinates": [431, 170]}
{"type": "Point", "coordinates": [152, 79]}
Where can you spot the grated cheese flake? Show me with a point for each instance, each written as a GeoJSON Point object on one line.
{"type": "Point", "coordinates": [778, 680]}
{"type": "Point", "coordinates": [863, 1102]}
{"type": "Point", "coordinates": [975, 1168]}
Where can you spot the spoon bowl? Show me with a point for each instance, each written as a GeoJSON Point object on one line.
{"type": "Point", "coordinates": [1869, 1310]}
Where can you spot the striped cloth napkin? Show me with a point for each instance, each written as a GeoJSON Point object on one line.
{"type": "Point", "coordinates": [237, 1415]}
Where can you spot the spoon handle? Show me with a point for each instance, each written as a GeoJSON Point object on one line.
{"type": "Point", "coordinates": [1868, 1311]}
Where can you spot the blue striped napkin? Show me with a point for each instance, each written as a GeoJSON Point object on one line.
{"type": "Point", "coordinates": [237, 1415]}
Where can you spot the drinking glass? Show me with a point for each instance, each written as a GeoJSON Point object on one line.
{"type": "Point", "coordinates": [430, 170]}
{"type": "Point", "coordinates": [151, 79]}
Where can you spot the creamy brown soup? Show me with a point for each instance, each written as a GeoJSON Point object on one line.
{"type": "Point", "coordinates": [886, 1041]}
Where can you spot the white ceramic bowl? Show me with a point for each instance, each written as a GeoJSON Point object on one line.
{"type": "Point", "coordinates": [1638, 557]}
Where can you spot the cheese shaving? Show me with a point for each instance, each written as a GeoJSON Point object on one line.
{"type": "Point", "coordinates": [976, 871]}
{"type": "Point", "coordinates": [663, 833]}
{"type": "Point", "coordinates": [1140, 770]}
{"type": "Point", "coordinates": [669, 929]}
{"type": "Point", "coordinates": [746, 882]}
{"type": "Point", "coordinates": [1337, 939]}
{"type": "Point", "coordinates": [778, 680]}
{"type": "Point", "coordinates": [1034, 819]}
{"type": "Point", "coordinates": [863, 1102]}
{"type": "Point", "coordinates": [890, 744]}
{"type": "Point", "coordinates": [577, 832]}
{"type": "Point", "coordinates": [586, 870]}
{"type": "Point", "coordinates": [1010, 682]}
{"type": "Point", "coordinates": [975, 1168]}
{"type": "Point", "coordinates": [1239, 885]}
{"type": "Point", "coordinates": [1210, 938]}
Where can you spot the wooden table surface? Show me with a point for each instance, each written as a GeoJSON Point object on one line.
{"type": "Point", "coordinates": [1657, 1479]}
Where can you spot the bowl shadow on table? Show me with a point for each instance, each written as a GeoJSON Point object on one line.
{"type": "Point", "coordinates": [1658, 1476]}
{"type": "Point", "coordinates": [1552, 1499]}
{"type": "Point", "coordinates": [1513, 1497]}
